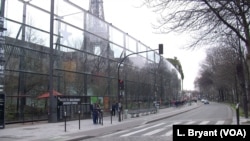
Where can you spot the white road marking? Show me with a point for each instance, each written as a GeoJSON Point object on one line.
{"type": "Point", "coordinates": [159, 130]}
{"type": "Point", "coordinates": [190, 122]}
{"type": "Point", "coordinates": [204, 122]}
{"type": "Point", "coordinates": [220, 122]}
{"type": "Point", "coordinates": [131, 133]}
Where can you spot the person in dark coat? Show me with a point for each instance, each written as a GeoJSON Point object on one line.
{"type": "Point", "coordinates": [117, 108]}
{"type": "Point", "coordinates": [113, 109]}
{"type": "Point", "coordinates": [99, 113]}
{"type": "Point", "coordinates": [95, 114]}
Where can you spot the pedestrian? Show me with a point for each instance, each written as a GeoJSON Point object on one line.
{"type": "Point", "coordinates": [91, 108]}
{"type": "Point", "coordinates": [113, 109]}
{"type": "Point", "coordinates": [95, 114]}
{"type": "Point", "coordinates": [117, 108]}
{"type": "Point", "coordinates": [99, 113]}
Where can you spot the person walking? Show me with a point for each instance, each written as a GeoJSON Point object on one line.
{"type": "Point", "coordinates": [91, 108]}
{"type": "Point", "coordinates": [113, 109]}
{"type": "Point", "coordinates": [99, 112]}
{"type": "Point", "coordinates": [117, 108]}
{"type": "Point", "coordinates": [95, 114]}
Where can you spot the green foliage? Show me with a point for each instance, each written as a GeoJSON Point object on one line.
{"type": "Point", "coordinates": [241, 111]}
{"type": "Point", "coordinates": [175, 62]}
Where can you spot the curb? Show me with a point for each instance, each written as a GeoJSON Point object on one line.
{"type": "Point", "coordinates": [171, 115]}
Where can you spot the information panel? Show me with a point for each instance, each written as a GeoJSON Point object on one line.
{"type": "Point", "coordinates": [2, 110]}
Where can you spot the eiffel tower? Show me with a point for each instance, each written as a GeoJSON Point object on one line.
{"type": "Point", "coordinates": [96, 8]}
{"type": "Point", "coordinates": [96, 26]}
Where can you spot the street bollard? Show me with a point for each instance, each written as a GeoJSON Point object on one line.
{"type": "Point", "coordinates": [79, 113]}
{"type": "Point", "coordinates": [119, 111]}
{"type": "Point", "coordinates": [122, 113]}
{"type": "Point", "coordinates": [119, 115]}
{"type": "Point", "coordinates": [102, 116]}
{"type": "Point", "coordinates": [32, 105]}
{"type": "Point", "coordinates": [65, 121]}
{"type": "Point", "coordinates": [237, 114]}
{"type": "Point", "coordinates": [111, 115]}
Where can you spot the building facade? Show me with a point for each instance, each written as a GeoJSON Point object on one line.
{"type": "Point", "coordinates": [86, 53]}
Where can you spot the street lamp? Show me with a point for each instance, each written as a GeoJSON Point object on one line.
{"type": "Point", "coordinates": [52, 99]}
{"type": "Point", "coordinates": [20, 107]}
{"type": "Point", "coordinates": [25, 2]}
{"type": "Point", "coordinates": [160, 49]}
{"type": "Point", "coordinates": [2, 66]}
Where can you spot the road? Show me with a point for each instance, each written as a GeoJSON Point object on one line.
{"type": "Point", "coordinates": [213, 113]}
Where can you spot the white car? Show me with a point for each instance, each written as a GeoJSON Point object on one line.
{"type": "Point", "coordinates": [206, 102]}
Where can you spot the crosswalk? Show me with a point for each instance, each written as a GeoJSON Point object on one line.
{"type": "Point", "coordinates": [163, 129]}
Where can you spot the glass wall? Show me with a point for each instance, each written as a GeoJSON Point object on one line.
{"type": "Point", "coordinates": [86, 55]}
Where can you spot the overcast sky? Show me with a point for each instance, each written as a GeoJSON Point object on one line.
{"type": "Point", "coordinates": [137, 22]}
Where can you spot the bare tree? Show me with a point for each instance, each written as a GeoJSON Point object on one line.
{"type": "Point", "coordinates": [206, 17]}
{"type": "Point", "coordinates": [203, 16]}
{"type": "Point", "coordinates": [218, 74]}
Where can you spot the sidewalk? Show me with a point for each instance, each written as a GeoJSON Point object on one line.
{"type": "Point", "coordinates": [242, 121]}
{"type": "Point", "coordinates": [43, 131]}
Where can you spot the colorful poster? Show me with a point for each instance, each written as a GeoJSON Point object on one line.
{"type": "Point", "coordinates": [106, 103]}
{"type": "Point", "coordinates": [93, 99]}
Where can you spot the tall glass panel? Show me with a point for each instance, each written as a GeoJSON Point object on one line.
{"type": "Point", "coordinates": [117, 50]}
{"type": "Point", "coordinates": [151, 55]}
{"type": "Point", "coordinates": [142, 47]}
{"type": "Point", "coordinates": [131, 44]}
{"type": "Point", "coordinates": [157, 58]}
{"type": "Point", "coordinates": [96, 26]}
{"type": "Point", "coordinates": [116, 36]}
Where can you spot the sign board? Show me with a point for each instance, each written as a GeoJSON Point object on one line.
{"type": "Point", "coordinates": [2, 110]}
{"type": "Point", "coordinates": [72, 100]}
{"type": "Point", "coordinates": [69, 100]}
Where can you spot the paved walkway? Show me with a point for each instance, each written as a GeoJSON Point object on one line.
{"type": "Point", "coordinates": [43, 131]}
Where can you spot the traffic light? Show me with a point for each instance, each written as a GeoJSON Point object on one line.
{"type": "Point", "coordinates": [121, 84]}
{"type": "Point", "coordinates": [160, 48]}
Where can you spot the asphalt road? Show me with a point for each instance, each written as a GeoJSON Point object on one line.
{"type": "Point", "coordinates": [213, 113]}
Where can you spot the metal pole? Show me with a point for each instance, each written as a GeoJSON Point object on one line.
{"type": "Point", "coordinates": [32, 114]}
{"type": "Point", "coordinates": [79, 112]}
{"type": "Point", "coordinates": [102, 116]}
{"type": "Point", "coordinates": [53, 102]}
{"type": "Point", "coordinates": [237, 100]}
{"type": "Point", "coordinates": [65, 119]}
{"type": "Point", "coordinates": [2, 66]}
{"type": "Point", "coordinates": [118, 89]}
{"type": "Point", "coordinates": [118, 76]}
{"type": "Point", "coordinates": [237, 114]}
{"type": "Point", "coordinates": [24, 21]}
{"type": "Point", "coordinates": [111, 114]}
{"type": "Point", "coordinates": [21, 79]}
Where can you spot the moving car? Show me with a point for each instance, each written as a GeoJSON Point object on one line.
{"type": "Point", "coordinates": [206, 102]}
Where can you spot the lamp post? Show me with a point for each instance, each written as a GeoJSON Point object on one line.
{"type": "Point", "coordinates": [2, 66]}
{"type": "Point", "coordinates": [20, 93]}
{"type": "Point", "coordinates": [160, 49]}
{"type": "Point", "coordinates": [52, 99]}
{"type": "Point", "coordinates": [25, 2]}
